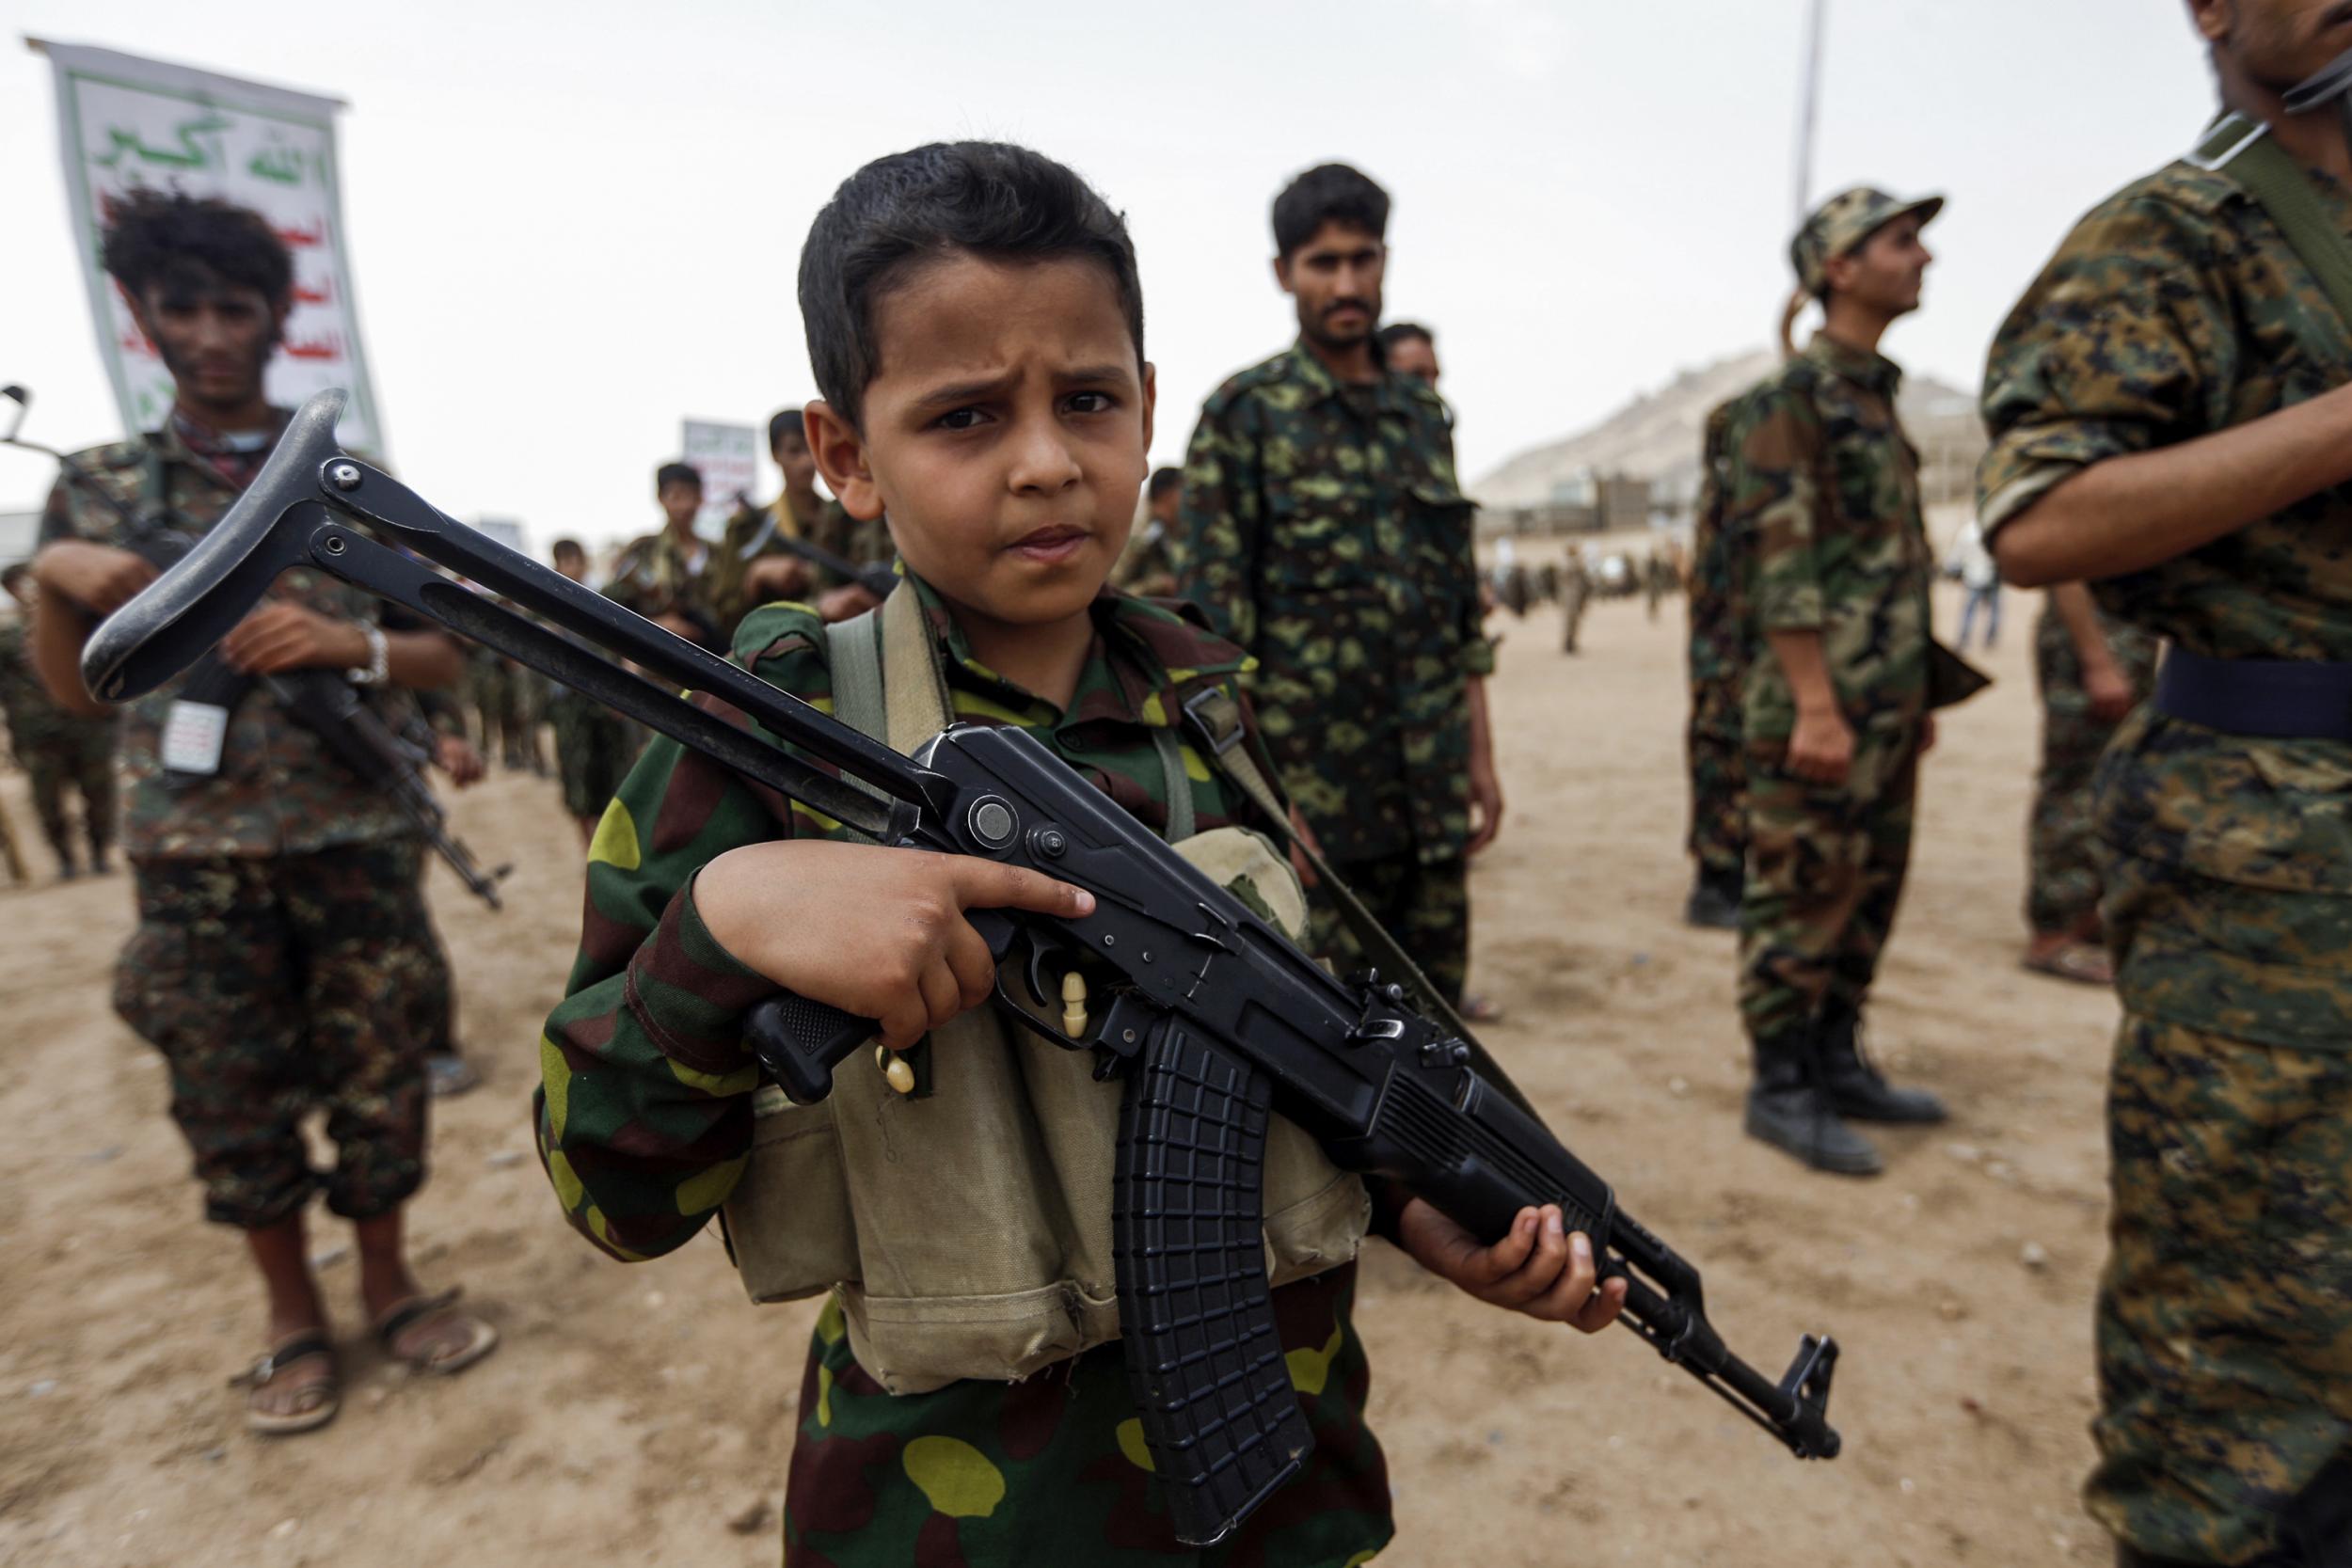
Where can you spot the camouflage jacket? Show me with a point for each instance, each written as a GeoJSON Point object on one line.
{"type": "Point", "coordinates": [646, 1112]}
{"type": "Point", "coordinates": [1324, 531]}
{"type": "Point", "coordinates": [278, 791]}
{"type": "Point", "coordinates": [654, 577]}
{"type": "Point", "coordinates": [2173, 309]}
{"type": "Point", "coordinates": [1144, 567]}
{"type": "Point", "coordinates": [832, 527]}
{"type": "Point", "coordinates": [35, 720]}
{"type": "Point", "coordinates": [1821, 511]}
{"type": "Point", "coordinates": [1718, 650]}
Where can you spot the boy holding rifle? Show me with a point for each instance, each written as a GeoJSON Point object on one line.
{"type": "Point", "coordinates": [975, 326]}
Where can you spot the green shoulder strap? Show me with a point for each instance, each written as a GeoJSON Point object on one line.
{"type": "Point", "coordinates": [853, 659]}
{"type": "Point", "coordinates": [2245, 151]}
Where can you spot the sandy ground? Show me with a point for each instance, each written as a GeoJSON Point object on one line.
{"type": "Point", "coordinates": [633, 1414]}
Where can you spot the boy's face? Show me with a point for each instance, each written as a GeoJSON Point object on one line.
{"type": "Point", "coordinates": [1005, 436]}
{"type": "Point", "coordinates": [572, 563]}
{"type": "Point", "coordinates": [1168, 504]}
{"type": "Point", "coordinates": [680, 502]}
{"type": "Point", "coordinates": [1415, 357]}
{"type": "Point", "coordinates": [791, 453]}
{"type": "Point", "coordinates": [215, 336]}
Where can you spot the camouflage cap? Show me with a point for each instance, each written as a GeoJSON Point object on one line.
{"type": "Point", "coordinates": [1843, 222]}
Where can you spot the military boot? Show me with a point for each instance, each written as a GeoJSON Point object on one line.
{"type": "Point", "coordinates": [1790, 1111]}
{"type": "Point", "coordinates": [1714, 901]}
{"type": "Point", "coordinates": [1857, 1087]}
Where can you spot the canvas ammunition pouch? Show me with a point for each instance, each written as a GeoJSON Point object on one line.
{"type": "Point", "coordinates": [967, 1232]}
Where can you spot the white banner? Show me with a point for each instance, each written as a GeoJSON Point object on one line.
{"type": "Point", "coordinates": [126, 122]}
{"type": "Point", "coordinates": [727, 457]}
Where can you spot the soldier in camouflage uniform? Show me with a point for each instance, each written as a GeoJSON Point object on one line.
{"type": "Point", "coordinates": [1323, 530]}
{"type": "Point", "coordinates": [1145, 566]}
{"type": "Point", "coordinates": [2171, 422]}
{"type": "Point", "coordinates": [740, 583]}
{"type": "Point", "coordinates": [277, 891]}
{"type": "Point", "coordinates": [1575, 593]}
{"type": "Point", "coordinates": [1821, 514]}
{"type": "Point", "coordinates": [594, 745]}
{"type": "Point", "coordinates": [2091, 671]}
{"type": "Point", "coordinates": [1717, 660]}
{"type": "Point", "coordinates": [665, 576]}
{"type": "Point", "coordinates": [648, 1113]}
{"type": "Point", "coordinates": [58, 751]}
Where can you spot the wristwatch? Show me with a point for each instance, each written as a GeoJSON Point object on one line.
{"type": "Point", "coordinates": [379, 660]}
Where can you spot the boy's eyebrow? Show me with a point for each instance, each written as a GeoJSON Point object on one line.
{"type": "Point", "coordinates": [955, 394]}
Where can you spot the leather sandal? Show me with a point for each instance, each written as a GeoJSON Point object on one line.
{"type": "Point", "coordinates": [480, 1341]}
{"type": "Point", "coordinates": [315, 1404]}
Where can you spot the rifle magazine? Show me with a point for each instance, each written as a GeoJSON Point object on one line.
{"type": "Point", "coordinates": [1203, 1361]}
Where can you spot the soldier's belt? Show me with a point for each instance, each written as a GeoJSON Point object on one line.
{"type": "Point", "coordinates": [2276, 699]}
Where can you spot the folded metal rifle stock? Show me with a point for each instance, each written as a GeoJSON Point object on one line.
{"type": "Point", "coordinates": [1215, 1022]}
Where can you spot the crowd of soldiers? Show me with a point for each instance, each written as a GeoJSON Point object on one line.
{"type": "Point", "coordinates": [2169, 413]}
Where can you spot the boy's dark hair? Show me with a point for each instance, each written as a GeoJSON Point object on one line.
{"type": "Point", "coordinates": [676, 474]}
{"type": "Point", "coordinates": [567, 546]}
{"type": "Point", "coordinates": [1327, 193]}
{"type": "Point", "coordinates": [1407, 332]}
{"type": "Point", "coordinates": [170, 237]}
{"type": "Point", "coordinates": [994, 200]}
{"type": "Point", "coordinates": [781, 420]}
{"type": "Point", "coordinates": [1164, 480]}
{"type": "Point", "coordinates": [17, 571]}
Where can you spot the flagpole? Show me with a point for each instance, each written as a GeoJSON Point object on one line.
{"type": "Point", "coordinates": [1808, 99]}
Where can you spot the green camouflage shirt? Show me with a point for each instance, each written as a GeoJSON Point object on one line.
{"type": "Point", "coordinates": [35, 720]}
{"type": "Point", "coordinates": [1821, 505]}
{"type": "Point", "coordinates": [279, 790]}
{"type": "Point", "coordinates": [644, 1114]}
{"type": "Point", "coordinates": [2174, 309]}
{"type": "Point", "coordinates": [861, 544]}
{"type": "Point", "coordinates": [1324, 531]}
{"type": "Point", "coordinates": [655, 576]}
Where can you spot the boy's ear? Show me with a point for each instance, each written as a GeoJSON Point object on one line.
{"type": "Point", "coordinates": [840, 455]}
{"type": "Point", "coordinates": [1282, 272]}
{"type": "Point", "coordinates": [1151, 406]}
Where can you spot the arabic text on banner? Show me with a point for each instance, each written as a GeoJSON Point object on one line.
{"type": "Point", "coordinates": [126, 122]}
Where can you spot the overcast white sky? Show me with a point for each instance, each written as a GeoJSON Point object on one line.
{"type": "Point", "coordinates": [573, 224]}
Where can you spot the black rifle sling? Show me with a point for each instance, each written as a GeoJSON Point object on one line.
{"type": "Point", "coordinates": [1214, 718]}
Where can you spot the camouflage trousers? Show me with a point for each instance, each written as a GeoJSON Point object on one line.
{"type": "Point", "coordinates": [1054, 1470]}
{"type": "Point", "coordinates": [594, 749]}
{"type": "Point", "coordinates": [2062, 870]}
{"type": "Point", "coordinates": [2225, 1313]}
{"type": "Point", "coordinates": [78, 757]}
{"type": "Point", "coordinates": [421, 964]}
{"type": "Point", "coordinates": [1425, 907]}
{"type": "Point", "coordinates": [1718, 764]}
{"type": "Point", "coordinates": [1825, 872]}
{"type": "Point", "coordinates": [278, 986]}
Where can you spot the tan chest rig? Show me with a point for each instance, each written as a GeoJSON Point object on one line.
{"type": "Point", "coordinates": [967, 1233]}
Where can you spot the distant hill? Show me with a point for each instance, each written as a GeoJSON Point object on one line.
{"type": "Point", "coordinates": [1656, 437]}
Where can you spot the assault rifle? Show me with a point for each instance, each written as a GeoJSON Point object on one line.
{"type": "Point", "coordinates": [320, 701]}
{"type": "Point", "coordinates": [876, 579]}
{"type": "Point", "coordinates": [1215, 1019]}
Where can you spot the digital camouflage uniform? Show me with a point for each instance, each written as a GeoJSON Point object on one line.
{"type": "Point", "coordinates": [1324, 531]}
{"type": "Point", "coordinates": [2174, 309]}
{"type": "Point", "coordinates": [1821, 506]}
{"type": "Point", "coordinates": [59, 751]}
{"type": "Point", "coordinates": [2062, 871]}
{"type": "Point", "coordinates": [646, 1121]}
{"type": "Point", "coordinates": [278, 910]}
{"type": "Point", "coordinates": [656, 575]}
{"type": "Point", "coordinates": [1718, 656]}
